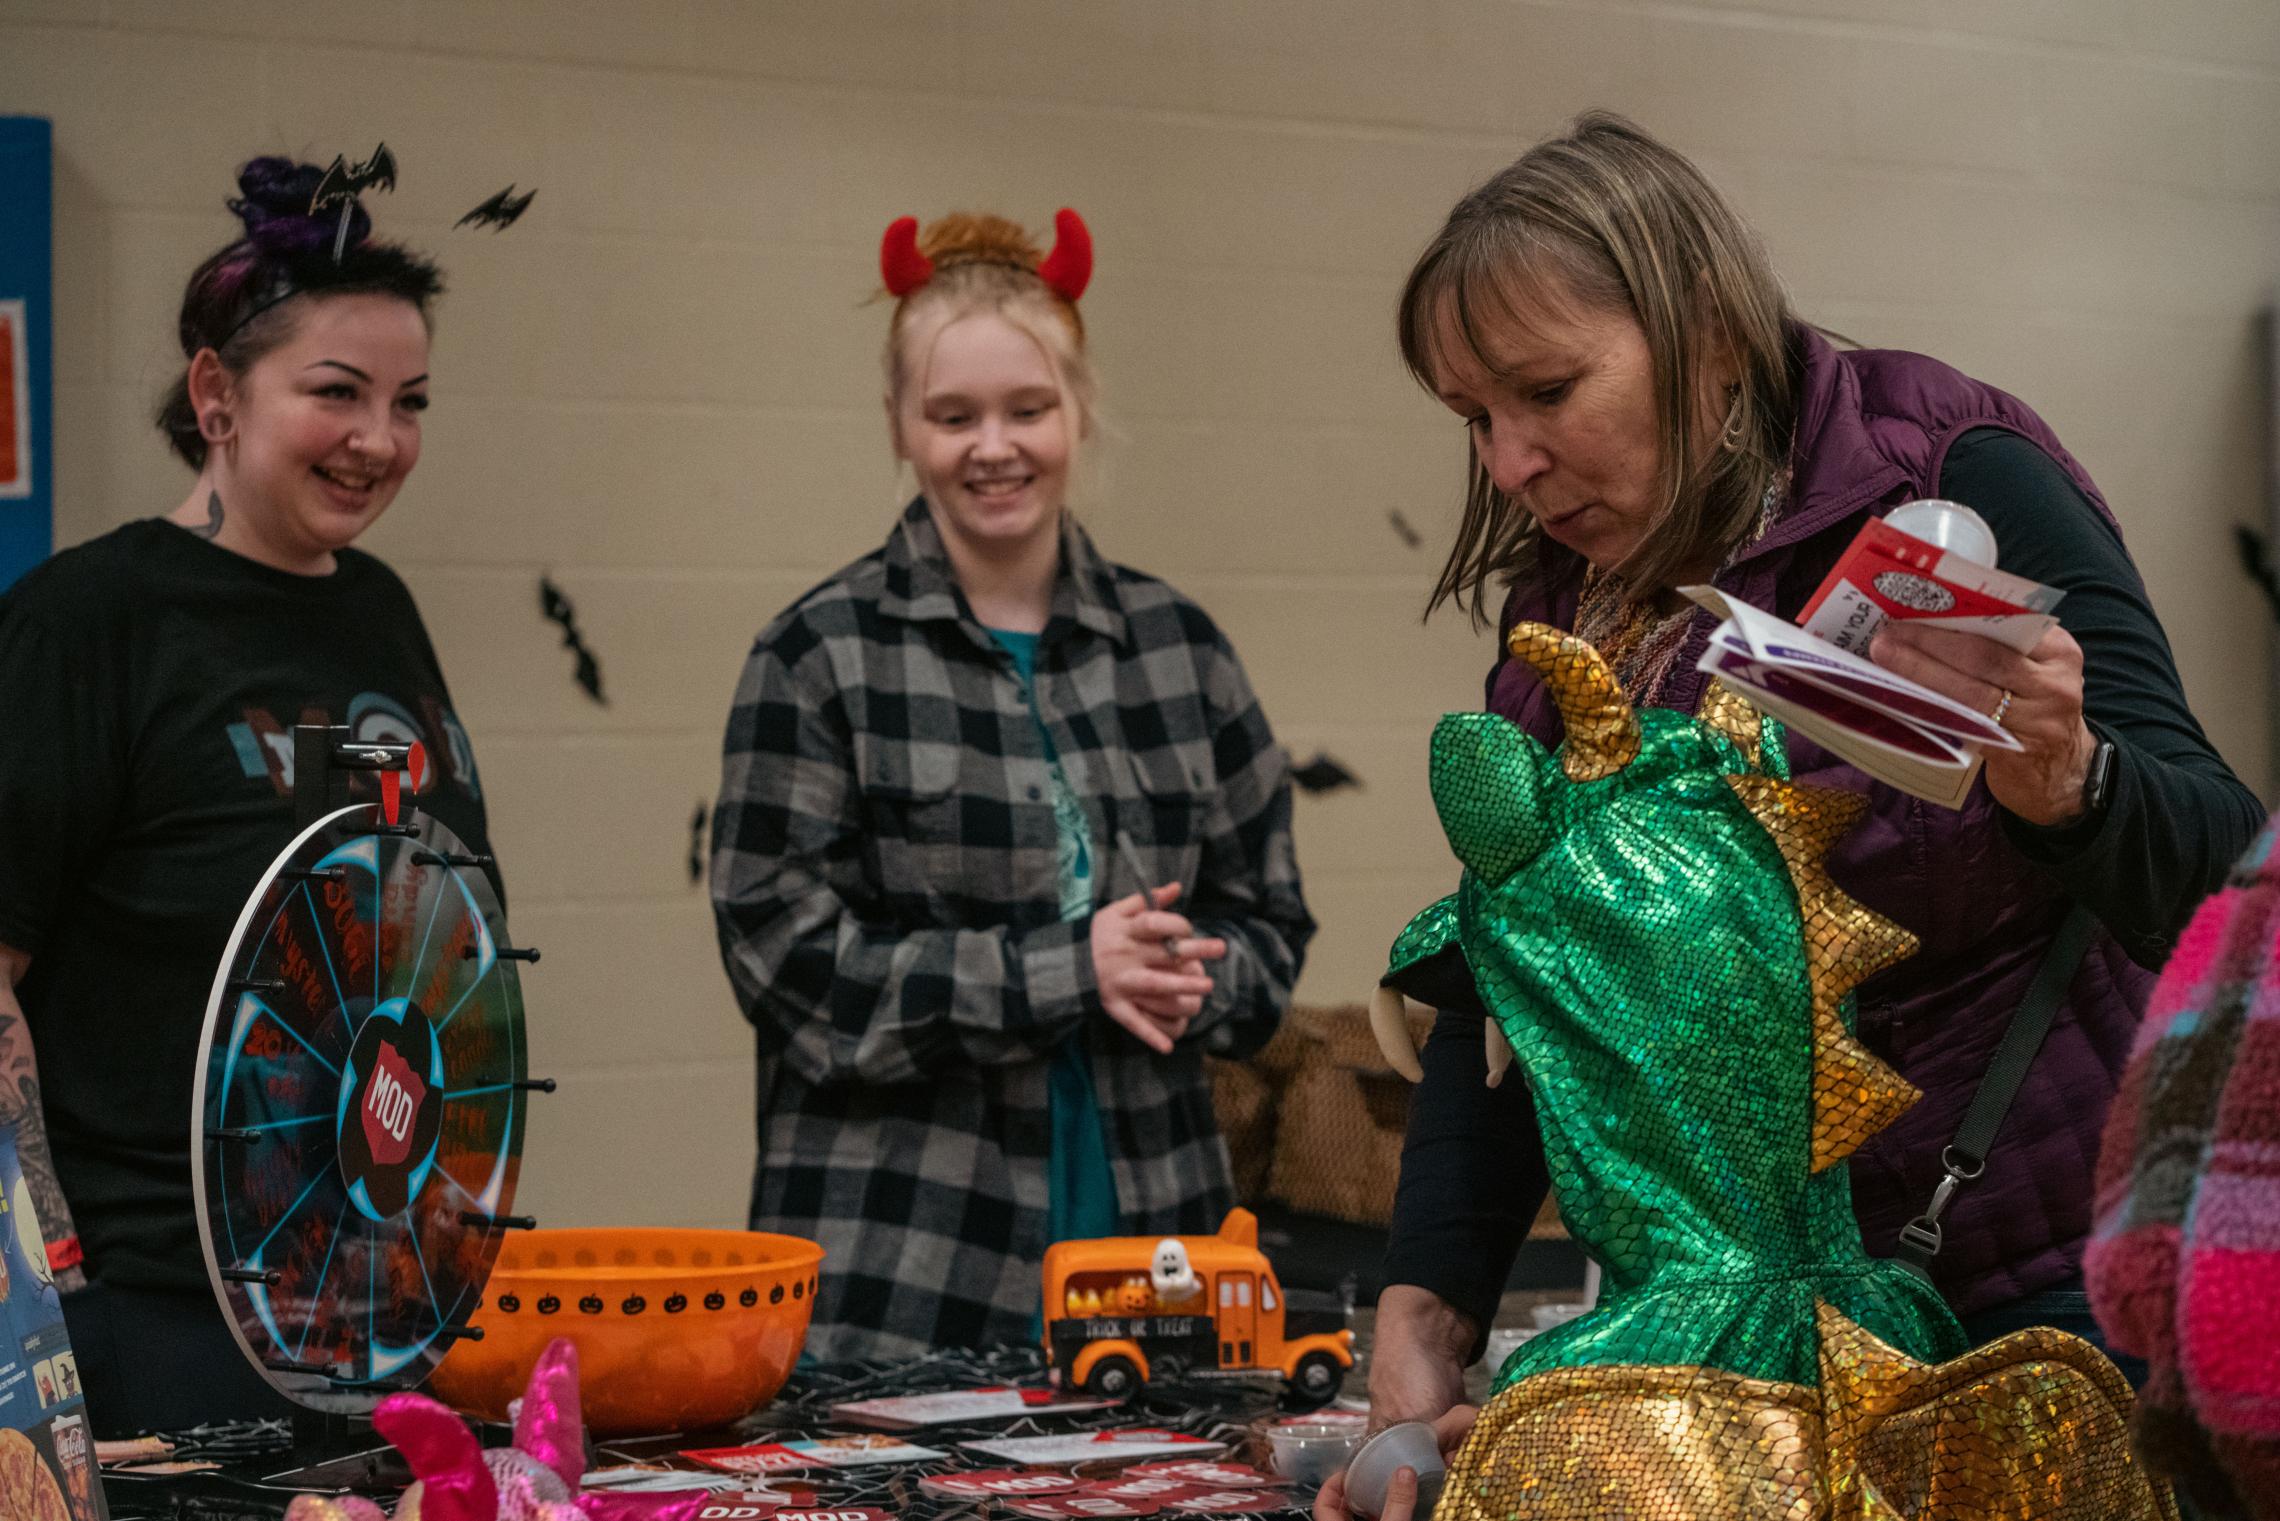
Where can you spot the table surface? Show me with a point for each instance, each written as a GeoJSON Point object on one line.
{"type": "Point", "coordinates": [1231, 1409]}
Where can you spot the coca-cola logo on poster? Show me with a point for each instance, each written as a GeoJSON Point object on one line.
{"type": "Point", "coordinates": [1917, 593]}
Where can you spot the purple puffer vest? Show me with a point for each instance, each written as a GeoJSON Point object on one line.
{"type": "Point", "coordinates": [1873, 428]}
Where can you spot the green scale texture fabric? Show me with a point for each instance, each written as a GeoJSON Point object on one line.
{"type": "Point", "coordinates": [1638, 939]}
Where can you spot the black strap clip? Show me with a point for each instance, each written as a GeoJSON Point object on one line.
{"type": "Point", "coordinates": [1920, 1238]}
{"type": "Point", "coordinates": [1966, 1158]}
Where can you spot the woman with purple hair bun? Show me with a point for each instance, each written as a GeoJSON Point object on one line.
{"type": "Point", "coordinates": [152, 678]}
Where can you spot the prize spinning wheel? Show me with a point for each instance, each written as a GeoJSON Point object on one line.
{"type": "Point", "coordinates": [360, 1104]}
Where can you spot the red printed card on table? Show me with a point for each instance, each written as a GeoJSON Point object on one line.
{"type": "Point", "coordinates": [1086, 1507]}
{"type": "Point", "coordinates": [1229, 1502]}
{"type": "Point", "coordinates": [1096, 1446]}
{"type": "Point", "coordinates": [1004, 1483]}
{"type": "Point", "coordinates": [1210, 1475]}
{"type": "Point", "coordinates": [1142, 1490]}
{"type": "Point", "coordinates": [831, 1452]}
{"type": "Point", "coordinates": [952, 1405]}
{"type": "Point", "coordinates": [742, 1505]}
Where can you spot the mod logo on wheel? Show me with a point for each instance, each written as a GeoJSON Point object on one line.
{"type": "Point", "coordinates": [391, 1109]}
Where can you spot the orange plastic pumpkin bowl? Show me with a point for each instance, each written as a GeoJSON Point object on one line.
{"type": "Point", "coordinates": [677, 1330]}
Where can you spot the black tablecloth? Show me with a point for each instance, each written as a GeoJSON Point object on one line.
{"type": "Point", "coordinates": [1220, 1408]}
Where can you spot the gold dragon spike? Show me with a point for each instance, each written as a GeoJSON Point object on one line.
{"type": "Point", "coordinates": [2034, 1426]}
{"type": "Point", "coordinates": [1602, 727]}
{"type": "Point", "coordinates": [1737, 718]}
{"type": "Point", "coordinates": [1855, 1094]}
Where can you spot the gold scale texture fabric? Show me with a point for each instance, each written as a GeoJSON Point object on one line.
{"type": "Point", "coordinates": [1647, 916]}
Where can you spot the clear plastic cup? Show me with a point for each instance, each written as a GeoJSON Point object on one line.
{"type": "Point", "coordinates": [1408, 1445]}
{"type": "Point", "coordinates": [1311, 1451]}
{"type": "Point", "coordinates": [1950, 525]}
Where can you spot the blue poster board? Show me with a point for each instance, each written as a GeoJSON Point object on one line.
{"type": "Point", "coordinates": [43, 1414]}
{"type": "Point", "coordinates": [27, 345]}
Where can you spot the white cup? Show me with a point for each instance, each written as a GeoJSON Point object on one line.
{"type": "Point", "coordinates": [1408, 1445]}
{"type": "Point", "coordinates": [1949, 525]}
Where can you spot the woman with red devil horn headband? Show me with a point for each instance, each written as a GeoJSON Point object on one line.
{"type": "Point", "coordinates": [1003, 845]}
{"type": "Point", "coordinates": [1067, 270]}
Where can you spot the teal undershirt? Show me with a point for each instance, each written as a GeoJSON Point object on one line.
{"type": "Point", "coordinates": [1083, 1190]}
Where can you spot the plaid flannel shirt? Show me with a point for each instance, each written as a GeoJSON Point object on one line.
{"type": "Point", "coordinates": [885, 885]}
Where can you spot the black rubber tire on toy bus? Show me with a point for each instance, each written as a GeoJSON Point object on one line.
{"type": "Point", "coordinates": [1113, 1377]}
{"type": "Point", "coordinates": [1316, 1379]}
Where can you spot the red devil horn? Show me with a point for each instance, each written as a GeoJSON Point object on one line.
{"type": "Point", "coordinates": [901, 265]}
{"type": "Point", "coordinates": [1068, 268]}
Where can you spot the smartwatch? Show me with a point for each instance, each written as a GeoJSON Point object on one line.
{"type": "Point", "coordinates": [2098, 782]}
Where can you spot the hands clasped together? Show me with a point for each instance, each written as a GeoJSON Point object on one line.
{"type": "Point", "coordinates": [1148, 962]}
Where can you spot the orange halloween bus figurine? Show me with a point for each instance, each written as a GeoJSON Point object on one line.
{"type": "Point", "coordinates": [1122, 1309]}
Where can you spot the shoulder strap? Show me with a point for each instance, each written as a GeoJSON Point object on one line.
{"type": "Point", "coordinates": [1966, 1157]}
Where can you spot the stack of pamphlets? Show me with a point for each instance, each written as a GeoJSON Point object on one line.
{"type": "Point", "coordinates": [1818, 680]}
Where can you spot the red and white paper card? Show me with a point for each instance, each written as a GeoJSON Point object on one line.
{"type": "Point", "coordinates": [1082, 1508]}
{"type": "Point", "coordinates": [1897, 730]}
{"type": "Point", "coordinates": [1229, 1502]}
{"type": "Point", "coordinates": [1096, 1446]}
{"type": "Point", "coordinates": [1014, 1483]}
{"type": "Point", "coordinates": [1210, 1475]}
{"type": "Point", "coordinates": [951, 1405]}
{"type": "Point", "coordinates": [831, 1452]}
{"type": "Point", "coordinates": [742, 1505]}
{"type": "Point", "coordinates": [1142, 1489]}
{"type": "Point", "coordinates": [1885, 574]}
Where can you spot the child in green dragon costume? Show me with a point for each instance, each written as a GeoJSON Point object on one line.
{"type": "Point", "coordinates": [1647, 919]}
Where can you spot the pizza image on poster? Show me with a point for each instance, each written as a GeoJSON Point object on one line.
{"type": "Point", "coordinates": [47, 1457]}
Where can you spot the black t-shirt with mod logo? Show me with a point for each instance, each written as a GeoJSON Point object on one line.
{"type": "Point", "coordinates": [149, 686]}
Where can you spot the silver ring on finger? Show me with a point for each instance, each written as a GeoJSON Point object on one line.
{"type": "Point", "coordinates": [2002, 706]}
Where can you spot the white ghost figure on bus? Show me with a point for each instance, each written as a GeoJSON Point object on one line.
{"type": "Point", "coordinates": [1170, 1273]}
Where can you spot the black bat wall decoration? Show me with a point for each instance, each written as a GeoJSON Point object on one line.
{"type": "Point", "coordinates": [2256, 560]}
{"type": "Point", "coordinates": [697, 844]}
{"type": "Point", "coordinates": [558, 611]}
{"type": "Point", "coordinates": [343, 183]}
{"type": "Point", "coordinates": [500, 211]}
{"type": "Point", "coordinates": [1322, 774]}
{"type": "Point", "coordinates": [1404, 530]}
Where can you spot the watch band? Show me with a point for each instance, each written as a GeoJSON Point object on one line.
{"type": "Point", "coordinates": [2098, 781]}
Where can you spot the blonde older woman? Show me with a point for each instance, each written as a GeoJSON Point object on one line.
{"type": "Point", "coordinates": [1644, 410]}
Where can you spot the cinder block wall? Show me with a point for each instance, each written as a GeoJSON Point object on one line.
{"type": "Point", "coordinates": [662, 387]}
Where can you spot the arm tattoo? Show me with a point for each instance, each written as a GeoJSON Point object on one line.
{"type": "Point", "coordinates": [20, 1110]}
{"type": "Point", "coordinates": [212, 527]}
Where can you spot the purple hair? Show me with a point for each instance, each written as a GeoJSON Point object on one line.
{"type": "Point", "coordinates": [236, 302]}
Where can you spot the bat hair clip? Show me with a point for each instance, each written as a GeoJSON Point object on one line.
{"type": "Point", "coordinates": [294, 215]}
{"type": "Point", "coordinates": [1066, 271]}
